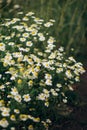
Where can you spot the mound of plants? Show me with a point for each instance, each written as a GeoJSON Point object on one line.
{"type": "Point", "coordinates": [35, 74]}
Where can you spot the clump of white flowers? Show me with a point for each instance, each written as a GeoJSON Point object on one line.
{"type": "Point", "coordinates": [34, 74]}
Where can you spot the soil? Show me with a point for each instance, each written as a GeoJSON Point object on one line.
{"type": "Point", "coordinates": [78, 119]}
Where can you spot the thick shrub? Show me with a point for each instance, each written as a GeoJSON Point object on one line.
{"type": "Point", "coordinates": [34, 74]}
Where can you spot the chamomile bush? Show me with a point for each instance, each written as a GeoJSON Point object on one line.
{"type": "Point", "coordinates": [34, 74]}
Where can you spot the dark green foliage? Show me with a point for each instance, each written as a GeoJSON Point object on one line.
{"type": "Point", "coordinates": [70, 16]}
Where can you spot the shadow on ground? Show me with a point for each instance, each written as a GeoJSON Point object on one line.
{"type": "Point", "coordinates": [78, 118]}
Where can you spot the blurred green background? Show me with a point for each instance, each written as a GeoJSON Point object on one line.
{"type": "Point", "coordinates": [70, 28]}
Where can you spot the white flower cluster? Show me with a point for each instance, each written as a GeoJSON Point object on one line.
{"type": "Point", "coordinates": [34, 74]}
